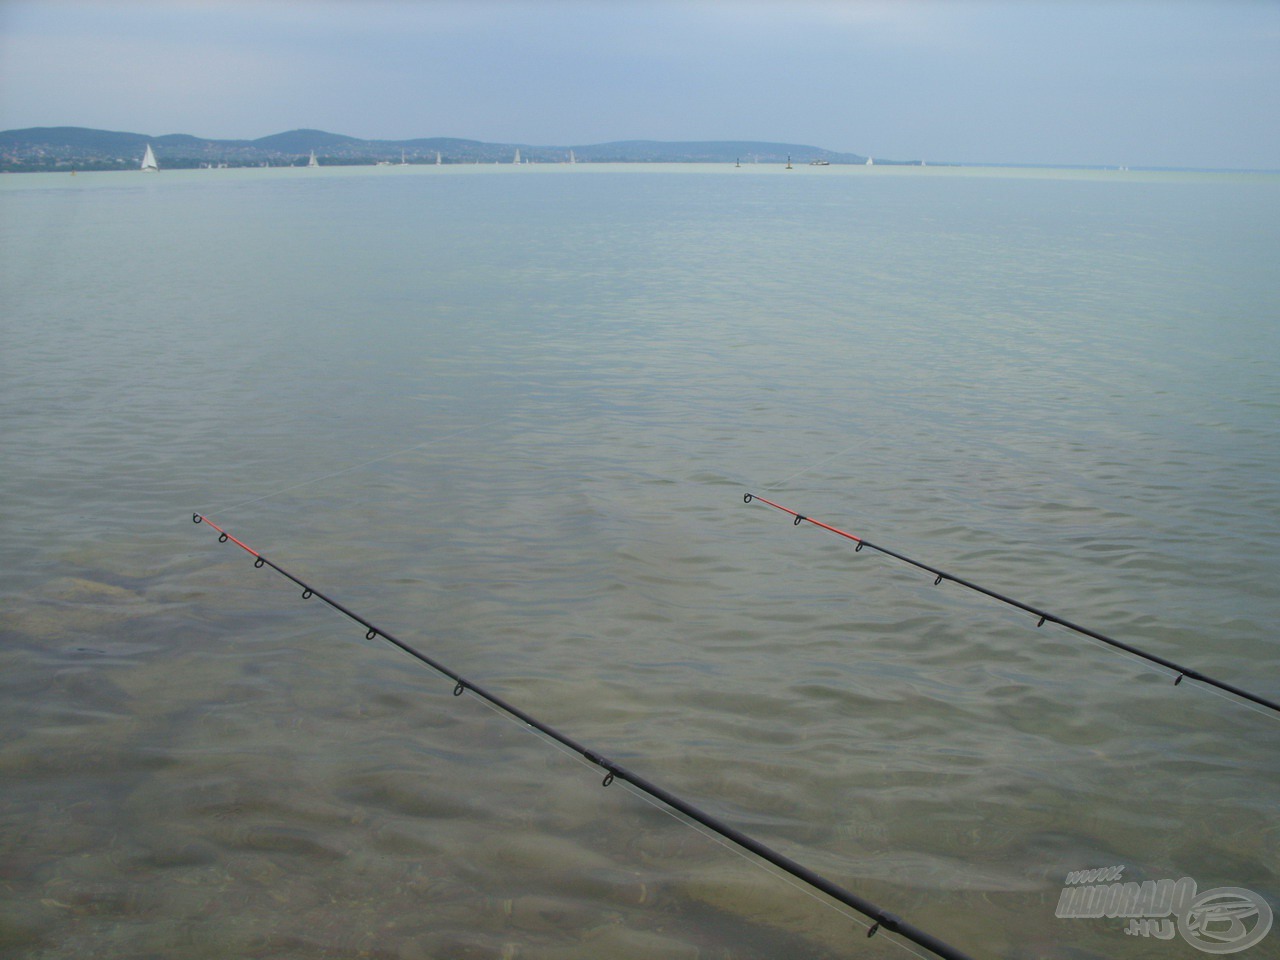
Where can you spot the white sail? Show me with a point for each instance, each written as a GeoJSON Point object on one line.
{"type": "Point", "coordinates": [149, 160]}
{"type": "Point", "coordinates": [437, 158]}
{"type": "Point", "coordinates": [517, 159]}
{"type": "Point", "coordinates": [313, 162]}
{"type": "Point", "coordinates": [572, 158]}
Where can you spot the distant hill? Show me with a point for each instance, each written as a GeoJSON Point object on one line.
{"type": "Point", "coordinates": [303, 142]}
{"type": "Point", "coordinates": [51, 148]}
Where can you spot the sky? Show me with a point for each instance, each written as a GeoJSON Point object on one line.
{"type": "Point", "coordinates": [1180, 83]}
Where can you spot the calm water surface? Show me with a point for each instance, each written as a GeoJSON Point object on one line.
{"type": "Point", "coordinates": [509, 414]}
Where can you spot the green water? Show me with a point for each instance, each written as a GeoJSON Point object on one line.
{"type": "Point", "coordinates": [509, 415]}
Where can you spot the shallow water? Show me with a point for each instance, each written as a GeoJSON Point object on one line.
{"type": "Point", "coordinates": [509, 415]}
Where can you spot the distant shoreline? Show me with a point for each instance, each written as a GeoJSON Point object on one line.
{"type": "Point", "coordinates": [57, 148]}
{"type": "Point", "coordinates": [63, 149]}
{"type": "Point", "coordinates": [1028, 171]}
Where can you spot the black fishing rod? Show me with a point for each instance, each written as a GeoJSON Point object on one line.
{"type": "Point", "coordinates": [1044, 616]}
{"type": "Point", "coordinates": [881, 919]}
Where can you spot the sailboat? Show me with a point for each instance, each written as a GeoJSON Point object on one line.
{"type": "Point", "coordinates": [437, 158]}
{"type": "Point", "coordinates": [517, 159]}
{"type": "Point", "coordinates": [313, 162]}
{"type": "Point", "coordinates": [572, 158]}
{"type": "Point", "coordinates": [149, 160]}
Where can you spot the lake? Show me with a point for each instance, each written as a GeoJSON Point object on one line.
{"type": "Point", "coordinates": [509, 414]}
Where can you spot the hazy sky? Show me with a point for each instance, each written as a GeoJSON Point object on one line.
{"type": "Point", "coordinates": [1175, 83]}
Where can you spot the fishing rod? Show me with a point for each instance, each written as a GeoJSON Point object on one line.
{"type": "Point", "coordinates": [881, 919]}
{"type": "Point", "coordinates": [1044, 616]}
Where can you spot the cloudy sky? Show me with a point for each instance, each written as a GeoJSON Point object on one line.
{"type": "Point", "coordinates": [1170, 83]}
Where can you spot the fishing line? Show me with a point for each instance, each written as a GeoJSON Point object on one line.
{"type": "Point", "coordinates": [815, 466]}
{"type": "Point", "coordinates": [354, 467]}
{"type": "Point", "coordinates": [881, 918]}
{"type": "Point", "coordinates": [1044, 616]}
